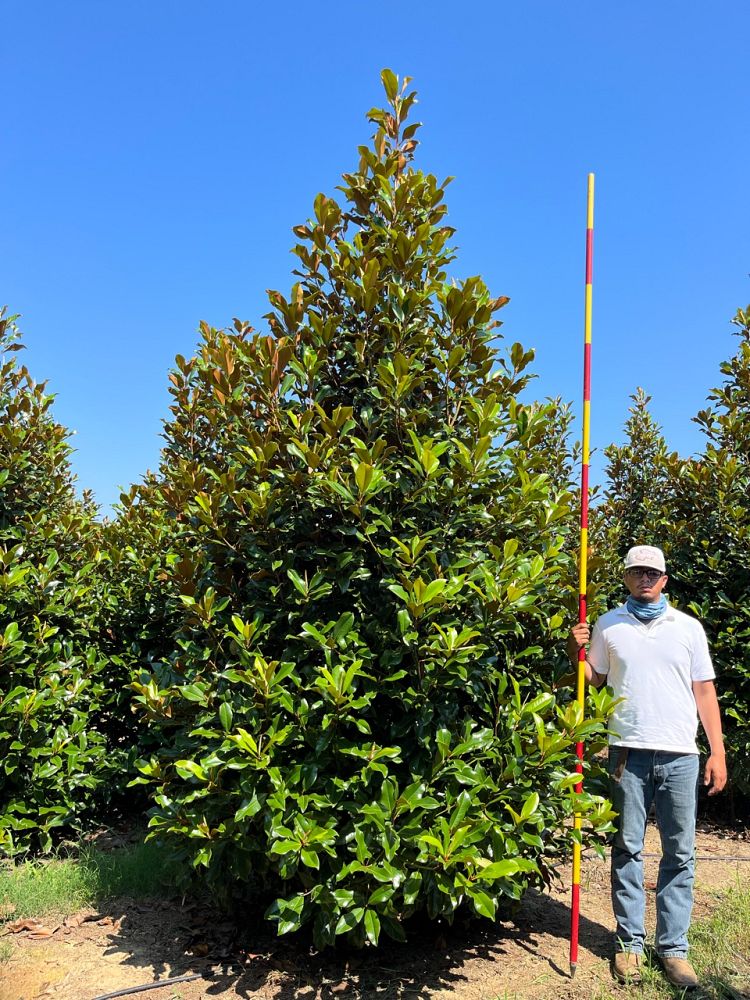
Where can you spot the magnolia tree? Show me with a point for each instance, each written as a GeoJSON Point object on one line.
{"type": "Point", "coordinates": [709, 543]}
{"type": "Point", "coordinates": [368, 573]}
{"type": "Point", "coordinates": [637, 480]}
{"type": "Point", "coordinates": [633, 507]}
{"type": "Point", "coordinates": [58, 714]}
{"type": "Point", "coordinates": [698, 510]}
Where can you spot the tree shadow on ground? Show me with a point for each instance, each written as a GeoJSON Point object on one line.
{"type": "Point", "coordinates": [241, 955]}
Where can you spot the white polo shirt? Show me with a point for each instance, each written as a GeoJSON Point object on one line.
{"type": "Point", "coordinates": [652, 668]}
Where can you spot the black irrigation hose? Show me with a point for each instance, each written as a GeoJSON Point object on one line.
{"type": "Point", "coordinates": [706, 857]}
{"type": "Point", "coordinates": [703, 857]}
{"type": "Point", "coordinates": [148, 986]}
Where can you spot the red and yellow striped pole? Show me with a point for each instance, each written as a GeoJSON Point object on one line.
{"type": "Point", "coordinates": [582, 574]}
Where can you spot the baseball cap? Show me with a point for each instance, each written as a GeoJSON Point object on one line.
{"type": "Point", "coordinates": [646, 555]}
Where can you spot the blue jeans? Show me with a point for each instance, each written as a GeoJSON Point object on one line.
{"type": "Point", "coordinates": [670, 781]}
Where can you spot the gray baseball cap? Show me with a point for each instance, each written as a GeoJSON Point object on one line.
{"type": "Point", "coordinates": [646, 555]}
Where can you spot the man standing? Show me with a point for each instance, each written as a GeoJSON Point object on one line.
{"type": "Point", "coordinates": [656, 660]}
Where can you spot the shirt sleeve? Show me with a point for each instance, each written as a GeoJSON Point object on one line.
{"type": "Point", "coordinates": [598, 654]}
{"type": "Point", "coordinates": [701, 667]}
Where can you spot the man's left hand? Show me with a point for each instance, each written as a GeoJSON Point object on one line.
{"type": "Point", "coordinates": [715, 774]}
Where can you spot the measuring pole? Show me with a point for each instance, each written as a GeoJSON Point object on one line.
{"type": "Point", "coordinates": [582, 563]}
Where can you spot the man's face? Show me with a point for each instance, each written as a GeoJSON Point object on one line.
{"type": "Point", "coordinates": [644, 583]}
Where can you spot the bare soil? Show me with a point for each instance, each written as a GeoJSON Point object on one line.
{"type": "Point", "coordinates": [130, 944]}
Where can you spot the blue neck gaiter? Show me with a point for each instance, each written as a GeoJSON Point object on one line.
{"type": "Point", "coordinates": [646, 611]}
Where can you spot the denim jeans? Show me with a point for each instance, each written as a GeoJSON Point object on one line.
{"type": "Point", "coordinates": [670, 782]}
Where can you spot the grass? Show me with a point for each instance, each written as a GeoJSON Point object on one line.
{"type": "Point", "coordinates": [719, 951]}
{"type": "Point", "coordinates": [722, 944]}
{"type": "Point", "coordinates": [41, 888]}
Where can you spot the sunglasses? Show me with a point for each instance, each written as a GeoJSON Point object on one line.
{"type": "Point", "coordinates": [652, 575]}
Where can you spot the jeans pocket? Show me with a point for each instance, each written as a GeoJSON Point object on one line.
{"type": "Point", "coordinates": [618, 759]}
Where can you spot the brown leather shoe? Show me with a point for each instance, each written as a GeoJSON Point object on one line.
{"type": "Point", "coordinates": [626, 967]}
{"type": "Point", "coordinates": [679, 972]}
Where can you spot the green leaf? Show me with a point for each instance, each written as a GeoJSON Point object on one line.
{"type": "Point", "coordinates": [363, 476]}
{"type": "Point", "coordinates": [225, 715]}
{"type": "Point", "coordinates": [249, 808]}
{"type": "Point", "coordinates": [412, 887]}
{"type": "Point", "coordinates": [433, 590]}
{"type": "Point", "coordinates": [309, 629]}
{"type": "Point", "coordinates": [343, 626]}
{"type": "Point", "coordinates": [349, 920]}
{"type": "Point", "coordinates": [483, 904]}
{"type": "Point", "coordinates": [399, 592]}
{"type": "Point", "coordinates": [504, 869]}
{"type": "Point", "coordinates": [392, 928]}
{"type": "Point", "coordinates": [372, 926]}
{"type": "Point", "coordinates": [530, 806]}
{"type": "Point", "coordinates": [390, 82]}
{"type": "Point", "coordinates": [298, 582]}
{"type": "Point", "coordinates": [381, 895]}
{"type": "Point", "coordinates": [192, 692]}
{"type": "Point", "coordinates": [189, 768]}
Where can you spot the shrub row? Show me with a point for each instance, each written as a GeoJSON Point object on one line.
{"type": "Point", "coordinates": [326, 636]}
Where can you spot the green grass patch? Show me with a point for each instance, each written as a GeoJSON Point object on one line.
{"type": "Point", "coordinates": [36, 888]}
{"type": "Point", "coordinates": [721, 944]}
{"type": "Point", "coordinates": [719, 951]}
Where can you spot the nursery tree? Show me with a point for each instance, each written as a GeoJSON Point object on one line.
{"type": "Point", "coordinates": [638, 484]}
{"type": "Point", "coordinates": [698, 510]}
{"type": "Point", "coordinates": [56, 767]}
{"type": "Point", "coordinates": [708, 546]}
{"type": "Point", "coordinates": [634, 507]}
{"type": "Point", "coordinates": [368, 573]}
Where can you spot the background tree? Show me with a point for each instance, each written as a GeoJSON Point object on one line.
{"type": "Point", "coordinates": [57, 762]}
{"type": "Point", "coordinates": [709, 543]}
{"type": "Point", "coordinates": [698, 510]}
{"type": "Point", "coordinates": [637, 481]}
{"type": "Point", "coordinates": [634, 505]}
{"type": "Point", "coordinates": [367, 584]}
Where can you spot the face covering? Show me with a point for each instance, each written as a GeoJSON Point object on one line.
{"type": "Point", "coordinates": [646, 611]}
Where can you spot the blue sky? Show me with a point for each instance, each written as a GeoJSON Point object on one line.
{"type": "Point", "coordinates": [156, 155]}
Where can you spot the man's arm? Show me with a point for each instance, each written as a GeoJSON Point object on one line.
{"type": "Point", "coordinates": [579, 638]}
{"type": "Point", "coordinates": [715, 774]}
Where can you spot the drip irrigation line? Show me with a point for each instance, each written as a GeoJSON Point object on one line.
{"type": "Point", "coordinates": [698, 857]}
{"type": "Point", "coordinates": [707, 857]}
{"type": "Point", "coordinates": [148, 986]}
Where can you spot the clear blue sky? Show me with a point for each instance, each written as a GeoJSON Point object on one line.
{"type": "Point", "coordinates": [156, 155]}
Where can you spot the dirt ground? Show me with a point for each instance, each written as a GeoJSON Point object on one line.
{"type": "Point", "coordinates": [130, 944]}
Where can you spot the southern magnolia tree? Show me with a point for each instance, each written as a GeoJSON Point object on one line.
{"type": "Point", "coordinates": [56, 701]}
{"type": "Point", "coordinates": [369, 565]}
{"type": "Point", "coordinates": [637, 480]}
{"type": "Point", "coordinates": [709, 543]}
{"type": "Point", "coordinates": [634, 502]}
{"type": "Point", "coordinates": [698, 510]}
